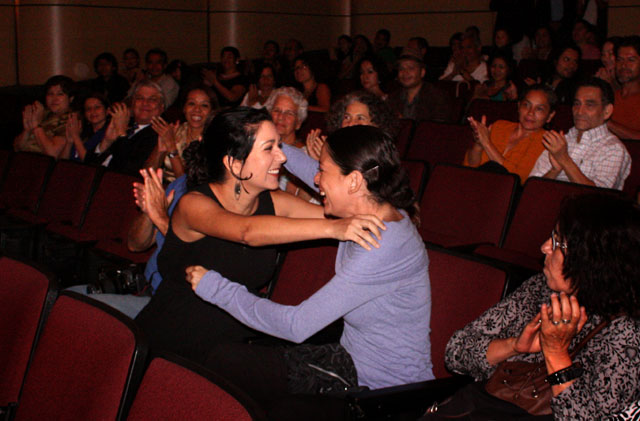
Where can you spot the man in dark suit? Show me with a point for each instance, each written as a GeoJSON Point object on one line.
{"type": "Point", "coordinates": [128, 142]}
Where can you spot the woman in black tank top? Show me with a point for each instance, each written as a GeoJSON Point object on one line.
{"type": "Point", "coordinates": [234, 175]}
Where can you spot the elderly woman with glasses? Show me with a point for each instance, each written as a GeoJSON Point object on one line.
{"type": "Point", "coordinates": [591, 275]}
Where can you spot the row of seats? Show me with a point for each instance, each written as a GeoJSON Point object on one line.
{"type": "Point", "coordinates": [46, 204]}
{"type": "Point", "coordinates": [70, 357]}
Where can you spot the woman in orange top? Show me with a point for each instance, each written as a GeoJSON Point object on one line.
{"type": "Point", "coordinates": [515, 146]}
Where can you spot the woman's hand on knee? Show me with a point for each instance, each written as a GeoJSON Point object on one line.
{"type": "Point", "coordinates": [194, 275]}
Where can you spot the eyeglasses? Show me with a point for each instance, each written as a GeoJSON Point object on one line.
{"type": "Point", "coordinates": [285, 113]}
{"type": "Point", "coordinates": [152, 99]}
{"type": "Point", "coordinates": [300, 67]}
{"type": "Point", "coordinates": [555, 243]}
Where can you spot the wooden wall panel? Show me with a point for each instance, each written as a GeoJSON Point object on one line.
{"type": "Point", "coordinates": [624, 17]}
{"type": "Point", "coordinates": [7, 44]}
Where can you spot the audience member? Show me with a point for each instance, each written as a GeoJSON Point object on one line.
{"type": "Point", "coordinates": [473, 32]}
{"type": "Point", "coordinates": [417, 99]}
{"type": "Point", "coordinates": [420, 45]}
{"type": "Point", "coordinates": [229, 84]}
{"type": "Point", "coordinates": [514, 146]}
{"type": "Point", "coordinates": [236, 173]}
{"type": "Point", "coordinates": [542, 45]}
{"type": "Point", "coordinates": [589, 284]}
{"type": "Point", "coordinates": [382, 48]}
{"type": "Point", "coordinates": [380, 293]}
{"type": "Point", "coordinates": [292, 49]}
{"type": "Point", "coordinates": [501, 42]}
{"type": "Point", "coordinates": [131, 69]}
{"type": "Point", "coordinates": [581, 36]}
{"type": "Point", "coordinates": [589, 153]}
{"type": "Point", "coordinates": [317, 94]}
{"type": "Point", "coordinates": [259, 92]}
{"type": "Point", "coordinates": [173, 139]}
{"type": "Point", "coordinates": [499, 86]}
{"type": "Point", "coordinates": [156, 63]}
{"type": "Point", "coordinates": [608, 58]}
{"type": "Point", "coordinates": [625, 121]}
{"type": "Point", "coordinates": [344, 56]}
{"type": "Point", "coordinates": [127, 145]}
{"type": "Point", "coordinates": [109, 83]}
{"type": "Point", "coordinates": [472, 68]}
{"type": "Point", "coordinates": [44, 129]}
{"type": "Point", "coordinates": [373, 75]}
{"type": "Point", "coordinates": [85, 136]}
{"type": "Point", "coordinates": [562, 79]}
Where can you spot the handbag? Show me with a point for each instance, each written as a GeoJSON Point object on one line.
{"type": "Point", "coordinates": [524, 384]}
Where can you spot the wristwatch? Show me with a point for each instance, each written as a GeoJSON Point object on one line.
{"type": "Point", "coordinates": [173, 154]}
{"type": "Point", "coordinates": [565, 375]}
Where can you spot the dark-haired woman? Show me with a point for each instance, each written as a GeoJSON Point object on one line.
{"type": "Point", "coordinates": [109, 82]}
{"type": "Point", "coordinates": [383, 295]}
{"type": "Point", "coordinates": [500, 86]}
{"type": "Point", "coordinates": [230, 85]}
{"type": "Point", "coordinates": [82, 139]}
{"type": "Point", "coordinates": [591, 274]}
{"type": "Point", "coordinates": [225, 221]}
{"type": "Point", "coordinates": [317, 94]}
{"type": "Point", "coordinates": [373, 74]}
{"type": "Point", "coordinates": [44, 128]}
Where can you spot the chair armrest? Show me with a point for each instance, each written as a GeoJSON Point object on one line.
{"type": "Point", "coordinates": [407, 400]}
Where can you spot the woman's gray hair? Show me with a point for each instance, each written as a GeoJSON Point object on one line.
{"type": "Point", "coordinates": [295, 95]}
{"type": "Point", "coordinates": [149, 84]}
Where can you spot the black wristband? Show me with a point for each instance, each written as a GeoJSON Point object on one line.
{"type": "Point", "coordinates": [565, 375]}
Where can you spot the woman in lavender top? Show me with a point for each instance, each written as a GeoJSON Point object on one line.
{"type": "Point", "coordinates": [382, 294]}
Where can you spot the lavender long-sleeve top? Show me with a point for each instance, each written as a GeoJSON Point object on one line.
{"type": "Point", "coordinates": [383, 295]}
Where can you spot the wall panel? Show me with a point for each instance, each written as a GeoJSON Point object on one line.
{"type": "Point", "coordinates": [624, 17]}
{"type": "Point", "coordinates": [7, 44]}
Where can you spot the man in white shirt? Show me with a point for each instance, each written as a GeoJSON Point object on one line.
{"type": "Point", "coordinates": [589, 153]}
{"type": "Point", "coordinates": [156, 62]}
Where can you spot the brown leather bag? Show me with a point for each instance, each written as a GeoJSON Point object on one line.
{"type": "Point", "coordinates": [524, 384]}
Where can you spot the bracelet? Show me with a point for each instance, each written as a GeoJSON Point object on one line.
{"type": "Point", "coordinates": [173, 154]}
{"type": "Point", "coordinates": [565, 375]}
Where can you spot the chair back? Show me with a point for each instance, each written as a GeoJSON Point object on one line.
{"type": "Point", "coordinates": [315, 120]}
{"type": "Point", "coordinates": [632, 183]}
{"type": "Point", "coordinates": [462, 206]}
{"type": "Point", "coordinates": [175, 389]}
{"type": "Point", "coordinates": [298, 278]}
{"type": "Point", "coordinates": [462, 288]}
{"type": "Point", "coordinates": [87, 357]}
{"type": "Point", "coordinates": [25, 181]}
{"type": "Point", "coordinates": [440, 143]}
{"type": "Point", "coordinates": [26, 296]}
{"type": "Point", "coordinates": [493, 110]}
{"type": "Point", "coordinates": [405, 134]}
{"type": "Point", "coordinates": [418, 172]}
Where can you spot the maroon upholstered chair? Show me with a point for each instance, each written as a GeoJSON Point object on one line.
{"type": "Point", "coordinates": [632, 183]}
{"type": "Point", "coordinates": [315, 120]}
{"type": "Point", "coordinates": [5, 157]}
{"type": "Point", "coordinates": [418, 172]}
{"type": "Point", "coordinates": [26, 296]}
{"type": "Point", "coordinates": [306, 268]}
{"type": "Point", "coordinates": [176, 389]}
{"type": "Point", "coordinates": [25, 181]}
{"type": "Point", "coordinates": [533, 219]}
{"type": "Point", "coordinates": [563, 120]}
{"type": "Point", "coordinates": [405, 134]}
{"type": "Point", "coordinates": [440, 143]}
{"type": "Point", "coordinates": [493, 110]}
{"type": "Point", "coordinates": [84, 364]}
{"type": "Point", "coordinates": [463, 206]}
{"type": "Point", "coordinates": [462, 288]}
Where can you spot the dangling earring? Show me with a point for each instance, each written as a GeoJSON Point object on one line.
{"type": "Point", "coordinates": [236, 190]}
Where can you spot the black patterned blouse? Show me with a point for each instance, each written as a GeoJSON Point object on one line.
{"type": "Point", "coordinates": [611, 359]}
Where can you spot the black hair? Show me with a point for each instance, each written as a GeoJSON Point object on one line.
{"type": "Point", "coordinates": [366, 41]}
{"type": "Point", "coordinates": [602, 259]}
{"type": "Point", "coordinates": [309, 62]}
{"type": "Point", "coordinates": [159, 52]}
{"type": "Point", "coordinates": [340, 55]}
{"type": "Point", "coordinates": [422, 42]}
{"type": "Point", "coordinates": [606, 91]}
{"type": "Point", "coordinates": [455, 37]}
{"type": "Point", "coordinates": [552, 97]}
{"type": "Point", "coordinates": [87, 130]}
{"type": "Point", "coordinates": [274, 43]}
{"type": "Point", "coordinates": [505, 56]}
{"type": "Point", "coordinates": [67, 84]}
{"type": "Point", "coordinates": [213, 99]}
{"type": "Point", "coordinates": [615, 41]}
{"type": "Point", "coordinates": [232, 50]}
{"type": "Point", "coordinates": [630, 41]}
{"type": "Point", "coordinates": [559, 50]}
{"type": "Point", "coordinates": [131, 50]}
{"type": "Point", "coordinates": [372, 152]}
{"type": "Point", "coordinates": [385, 33]}
{"type": "Point", "coordinates": [378, 65]}
{"type": "Point", "coordinates": [106, 56]}
{"type": "Point", "coordinates": [231, 133]}
{"type": "Point", "coordinates": [100, 97]}
{"type": "Point", "coordinates": [379, 111]}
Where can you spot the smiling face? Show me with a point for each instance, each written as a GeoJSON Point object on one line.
{"type": "Point", "coordinates": [95, 112]}
{"type": "Point", "coordinates": [356, 114]}
{"type": "Point", "coordinates": [567, 63]}
{"type": "Point", "coordinates": [146, 104]}
{"type": "Point", "coordinates": [155, 65]}
{"type": "Point", "coordinates": [499, 69]}
{"type": "Point", "coordinates": [131, 61]}
{"type": "Point", "coordinates": [302, 72]}
{"type": "Point", "coordinates": [410, 73]}
{"type": "Point", "coordinates": [267, 80]}
{"type": "Point", "coordinates": [56, 100]}
{"type": "Point", "coordinates": [197, 108]}
{"type": "Point", "coordinates": [368, 75]}
{"type": "Point", "coordinates": [588, 110]}
{"type": "Point", "coordinates": [608, 56]}
{"type": "Point", "coordinates": [285, 117]}
{"type": "Point", "coordinates": [534, 111]}
{"type": "Point", "coordinates": [333, 186]}
{"type": "Point", "coordinates": [264, 161]}
{"type": "Point", "coordinates": [501, 38]}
